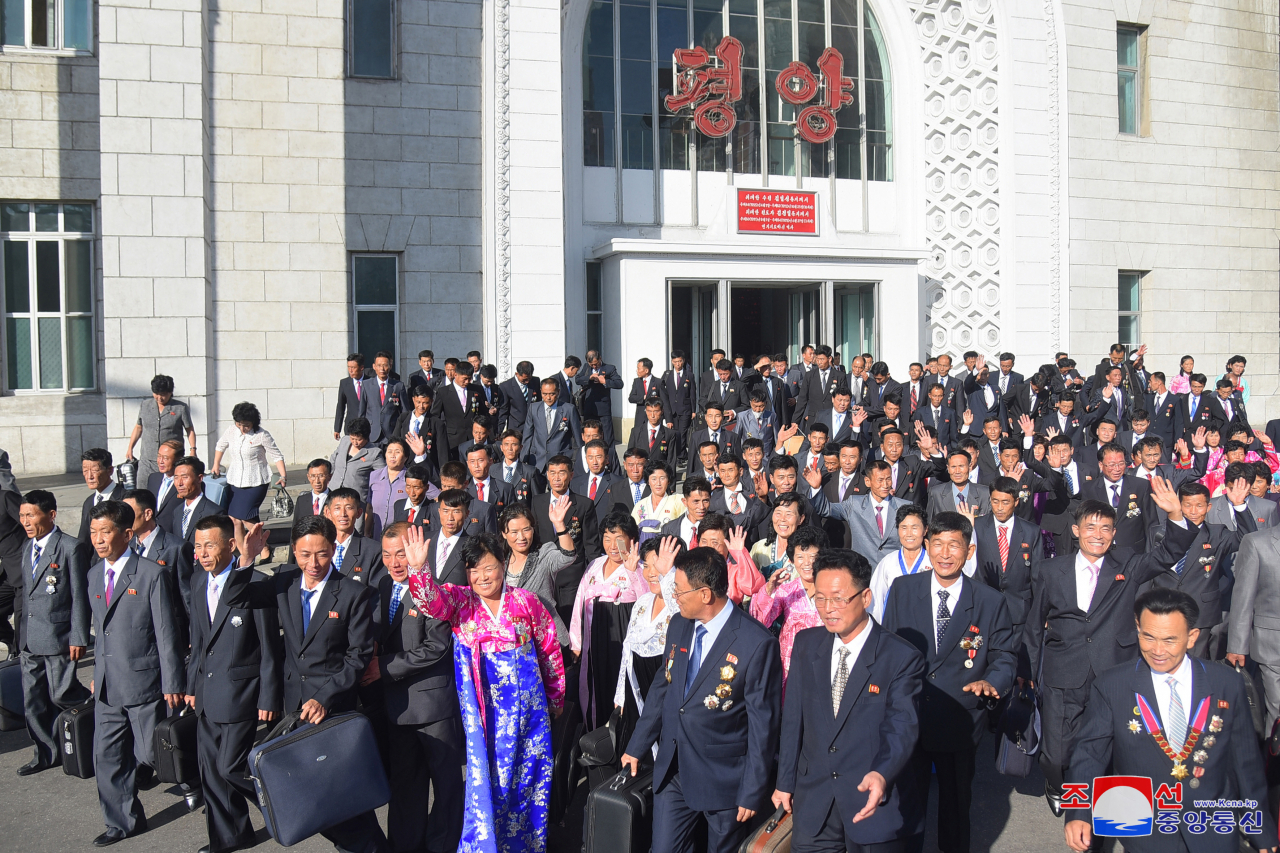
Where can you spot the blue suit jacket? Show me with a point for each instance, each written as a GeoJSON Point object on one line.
{"type": "Point", "coordinates": [950, 719]}
{"type": "Point", "coordinates": [729, 751]}
{"type": "Point", "coordinates": [1232, 767]}
{"type": "Point", "coordinates": [823, 756]}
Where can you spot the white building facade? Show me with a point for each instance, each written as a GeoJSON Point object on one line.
{"type": "Point", "coordinates": [240, 192]}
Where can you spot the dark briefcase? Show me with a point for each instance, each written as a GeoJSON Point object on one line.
{"type": "Point", "coordinates": [175, 748]}
{"type": "Point", "coordinates": [773, 837]}
{"type": "Point", "coordinates": [12, 714]}
{"type": "Point", "coordinates": [318, 776]}
{"type": "Point", "coordinates": [565, 731]}
{"type": "Point", "coordinates": [74, 731]}
{"type": "Point", "coordinates": [620, 814]}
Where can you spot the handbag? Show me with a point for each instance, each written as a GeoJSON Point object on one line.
{"type": "Point", "coordinates": [127, 474]}
{"type": "Point", "coordinates": [600, 747]}
{"type": "Point", "coordinates": [281, 503]}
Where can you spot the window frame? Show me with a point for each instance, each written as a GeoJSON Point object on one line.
{"type": "Point", "coordinates": [357, 308]}
{"type": "Point", "coordinates": [1134, 312]}
{"type": "Point", "coordinates": [34, 315]}
{"type": "Point", "coordinates": [393, 71]}
{"type": "Point", "coordinates": [1136, 71]}
{"type": "Point", "coordinates": [59, 25]}
{"type": "Point", "coordinates": [595, 316]}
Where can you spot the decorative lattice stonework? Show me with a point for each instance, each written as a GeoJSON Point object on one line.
{"type": "Point", "coordinates": [962, 173]}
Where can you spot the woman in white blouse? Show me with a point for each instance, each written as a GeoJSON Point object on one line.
{"type": "Point", "coordinates": [248, 451]}
{"type": "Point", "coordinates": [658, 507]}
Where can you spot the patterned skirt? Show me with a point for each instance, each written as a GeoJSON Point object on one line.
{"type": "Point", "coordinates": [509, 758]}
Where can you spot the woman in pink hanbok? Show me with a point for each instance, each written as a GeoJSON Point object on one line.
{"type": "Point", "coordinates": [789, 593]}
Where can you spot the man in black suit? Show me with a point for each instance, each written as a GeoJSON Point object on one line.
{"type": "Point", "coordinates": [725, 392]}
{"type": "Point", "coordinates": [1193, 407]}
{"type": "Point", "coordinates": [818, 385]}
{"type": "Point", "coordinates": [598, 381]}
{"type": "Point", "coordinates": [1008, 378]}
{"type": "Point", "coordinates": [909, 473]}
{"type": "Point", "coordinates": [382, 399]}
{"type": "Point", "coordinates": [880, 387]}
{"type": "Point", "coordinates": [681, 388]}
{"type": "Point", "coordinates": [716, 432]}
{"type": "Point", "coordinates": [426, 374]}
{"type": "Point", "coordinates": [481, 517]}
{"type": "Point", "coordinates": [234, 679]}
{"type": "Point", "coordinates": [593, 482]}
{"type": "Point", "coordinates": [653, 436]}
{"type": "Point", "coordinates": [629, 489]}
{"type": "Point", "coordinates": [160, 482]}
{"type": "Point", "coordinates": [1162, 404]}
{"type": "Point", "coordinates": [580, 520]}
{"type": "Point", "coordinates": [483, 486]}
{"type": "Point", "coordinates": [1181, 701]}
{"type": "Point", "coordinates": [952, 386]}
{"type": "Point", "coordinates": [349, 395]}
{"type": "Point", "coordinates": [1127, 494]}
{"type": "Point", "coordinates": [709, 375]}
{"type": "Point", "coordinates": [934, 414]}
{"type": "Point", "coordinates": [713, 713]}
{"type": "Point", "coordinates": [493, 401]}
{"type": "Point", "coordinates": [1112, 399]}
{"type": "Point", "coordinates": [457, 403]}
{"type": "Point", "coordinates": [963, 631]}
{"type": "Point", "coordinates": [1080, 623]}
{"type": "Point", "coordinates": [525, 482]}
{"type": "Point", "coordinates": [416, 508]}
{"type": "Point", "coordinates": [565, 378]}
{"type": "Point", "coordinates": [192, 505]}
{"type": "Point", "coordinates": [1009, 552]}
{"type": "Point", "coordinates": [982, 395]}
{"type": "Point", "coordinates": [1226, 408]}
{"type": "Point", "coordinates": [319, 472]}
{"type": "Point", "coordinates": [424, 432]}
{"type": "Point", "coordinates": [97, 469]}
{"type": "Point", "coordinates": [593, 430]}
{"type": "Point", "coordinates": [520, 391]}
{"type": "Point", "coordinates": [644, 386]}
{"type": "Point", "coordinates": [447, 535]}
{"type": "Point", "coordinates": [1130, 384]}
{"type": "Point", "coordinates": [1029, 398]}
{"type": "Point", "coordinates": [736, 499]}
{"type": "Point", "coordinates": [414, 670]}
{"type": "Point", "coordinates": [856, 689]}
{"type": "Point", "coordinates": [329, 639]}
{"type": "Point", "coordinates": [356, 557]}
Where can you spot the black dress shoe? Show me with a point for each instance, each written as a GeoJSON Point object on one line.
{"type": "Point", "coordinates": [34, 767]}
{"type": "Point", "coordinates": [195, 800]}
{"type": "Point", "coordinates": [111, 836]}
{"type": "Point", "coordinates": [240, 844]}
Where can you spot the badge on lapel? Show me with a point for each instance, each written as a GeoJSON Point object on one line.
{"type": "Point", "coordinates": [236, 621]}
{"type": "Point", "coordinates": [132, 591]}
{"type": "Point", "coordinates": [333, 614]}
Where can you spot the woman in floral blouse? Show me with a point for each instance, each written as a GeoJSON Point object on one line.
{"type": "Point", "coordinates": [510, 682]}
{"type": "Point", "coordinates": [660, 506]}
{"type": "Point", "coordinates": [790, 594]}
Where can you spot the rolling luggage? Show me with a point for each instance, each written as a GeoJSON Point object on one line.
{"type": "Point", "coordinates": [773, 837]}
{"type": "Point", "coordinates": [565, 731]}
{"type": "Point", "coordinates": [13, 717]}
{"type": "Point", "coordinates": [74, 730]}
{"type": "Point", "coordinates": [317, 776]}
{"type": "Point", "coordinates": [619, 814]}
{"type": "Point", "coordinates": [175, 748]}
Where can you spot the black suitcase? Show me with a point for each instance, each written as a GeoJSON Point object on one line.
{"type": "Point", "coordinates": [174, 743]}
{"type": "Point", "coordinates": [74, 731]}
{"type": "Point", "coordinates": [317, 776]}
{"type": "Point", "coordinates": [12, 715]}
{"type": "Point", "coordinates": [565, 731]}
{"type": "Point", "coordinates": [619, 814]}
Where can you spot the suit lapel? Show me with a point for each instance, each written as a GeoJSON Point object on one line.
{"type": "Point", "coordinates": [711, 657]}
{"type": "Point", "coordinates": [219, 612]}
{"type": "Point", "coordinates": [958, 623]}
{"type": "Point", "coordinates": [1106, 577]}
{"type": "Point", "coordinates": [320, 609]}
{"type": "Point", "coordinates": [293, 596]}
{"type": "Point", "coordinates": [42, 565]}
{"type": "Point", "coordinates": [120, 588]}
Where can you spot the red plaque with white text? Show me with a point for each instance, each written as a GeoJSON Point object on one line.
{"type": "Point", "coordinates": [777, 212]}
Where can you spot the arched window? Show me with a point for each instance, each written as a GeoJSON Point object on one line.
{"type": "Point", "coordinates": [628, 71]}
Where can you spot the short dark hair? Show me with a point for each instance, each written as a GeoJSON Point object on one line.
{"type": "Point", "coordinates": [524, 368]}
{"type": "Point", "coordinates": [704, 567]}
{"type": "Point", "coordinates": [463, 369]}
{"type": "Point", "coordinates": [1162, 601]}
{"type": "Point", "coordinates": [950, 522]}
{"type": "Point", "coordinates": [383, 354]}
{"type": "Point", "coordinates": [647, 362]}
{"type": "Point", "coordinates": [728, 458]}
{"type": "Point", "coordinates": [488, 371]}
{"type": "Point", "coordinates": [596, 444]}
{"type": "Point", "coordinates": [621, 522]}
{"type": "Point", "coordinates": [716, 521]}
{"type": "Point", "coordinates": [455, 470]}
{"type": "Point", "coordinates": [310, 525]}
{"type": "Point", "coordinates": [474, 353]}
{"type": "Point", "coordinates": [320, 463]}
{"type": "Point", "coordinates": [1193, 489]}
{"type": "Point", "coordinates": [695, 484]}
{"type": "Point", "coordinates": [426, 353]}
{"type": "Point", "coordinates": [192, 462]}
{"type": "Point", "coordinates": [475, 448]}
{"type": "Point", "coordinates": [714, 404]}
{"type": "Point", "coordinates": [1150, 442]}
{"type": "Point", "coordinates": [218, 522]}
{"type": "Point", "coordinates": [421, 473]}
{"type": "Point", "coordinates": [246, 413]}
{"type": "Point", "coordinates": [161, 384]}
{"type": "Point", "coordinates": [820, 427]}
{"type": "Point", "coordinates": [657, 464]}
{"type": "Point", "coordinates": [455, 498]}
{"type": "Point", "coordinates": [422, 390]}
{"type": "Point", "coordinates": [1094, 509]}
{"type": "Point", "coordinates": [783, 462]}
{"type": "Point", "coordinates": [1140, 415]}
{"type": "Point", "coordinates": [476, 548]}
{"type": "Point", "coordinates": [1006, 486]}
{"type": "Point", "coordinates": [592, 423]}
{"type": "Point", "coordinates": [347, 494]}
{"type": "Point", "coordinates": [41, 499]}
{"type": "Point", "coordinates": [560, 459]}
{"type": "Point", "coordinates": [98, 456]}
{"type": "Point", "coordinates": [636, 453]}
{"type": "Point", "coordinates": [907, 510]}
{"type": "Point", "coordinates": [1238, 471]}
{"type": "Point", "coordinates": [854, 564]}
{"type": "Point", "coordinates": [118, 513]}
{"type": "Point", "coordinates": [358, 358]}
{"type": "Point", "coordinates": [806, 536]}
{"type": "Point", "coordinates": [359, 427]}
{"type": "Point", "coordinates": [143, 498]}
{"type": "Point", "coordinates": [512, 511]}
{"type": "Point", "coordinates": [572, 361]}
{"type": "Point", "coordinates": [1110, 447]}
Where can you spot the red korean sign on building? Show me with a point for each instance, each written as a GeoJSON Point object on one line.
{"type": "Point", "coordinates": [777, 212]}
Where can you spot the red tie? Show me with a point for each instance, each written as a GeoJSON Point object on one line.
{"type": "Point", "coordinates": [653, 436]}
{"type": "Point", "coordinates": [591, 493]}
{"type": "Point", "coordinates": [480, 491]}
{"type": "Point", "coordinates": [315, 505]}
{"type": "Point", "coordinates": [880, 520]}
{"type": "Point", "coordinates": [412, 513]}
{"type": "Point", "coordinates": [693, 540]}
{"type": "Point", "coordinates": [913, 399]}
{"type": "Point", "coordinates": [357, 384]}
{"type": "Point", "coordinates": [1004, 547]}
{"type": "Point", "coordinates": [646, 388]}
{"type": "Point", "coordinates": [382, 391]}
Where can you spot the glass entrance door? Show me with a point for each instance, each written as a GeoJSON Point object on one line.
{"type": "Point", "coordinates": [855, 320]}
{"type": "Point", "coordinates": [695, 320]}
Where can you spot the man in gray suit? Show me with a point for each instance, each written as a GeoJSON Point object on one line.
{"type": "Point", "coordinates": [53, 624]}
{"type": "Point", "coordinates": [946, 497]}
{"type": "Point", "coordinates": [551, 428]}
{"type": "Point", "coordinates": [872, 518]}
{"type": "Point", "coordinates": [1236, 508]}
{"type": "Point", "coordinates": [1253, 627]}
{"type": "Point", "coordinates": [138, 667]}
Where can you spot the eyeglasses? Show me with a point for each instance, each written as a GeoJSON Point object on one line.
{"type": "Point", "coordinates": [677, 594]}
{"type": "Point", "coordinates": [823, 603]}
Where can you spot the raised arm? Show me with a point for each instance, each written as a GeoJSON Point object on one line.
{"type": "Point", "coordinates": [439, 601]}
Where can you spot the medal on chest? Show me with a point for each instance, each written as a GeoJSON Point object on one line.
{"type": "Point", "coordinates": [1179, 757]}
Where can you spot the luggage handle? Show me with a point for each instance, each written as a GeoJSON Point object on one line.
{"type": "Point", "coordinates": [775, 820]}
{"type": "Point", "coordinates": [288, 723]}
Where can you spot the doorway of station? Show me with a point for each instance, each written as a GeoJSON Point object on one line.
{"type": "Point", "coordinates": [767, 318]}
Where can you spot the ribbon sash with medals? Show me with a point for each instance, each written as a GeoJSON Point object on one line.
{"type": "Point", "coordinates": [1179, 758]}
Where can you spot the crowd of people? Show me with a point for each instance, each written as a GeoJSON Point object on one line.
{"type": "Point", "coordinates": [805, 587]}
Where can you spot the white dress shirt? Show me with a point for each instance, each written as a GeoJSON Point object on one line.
{"type": "Point", "coordinates": [213, 591]}
{"type": "Point", "coordinates": [953, 598]}
{"type": "Point", "coordinates": [714, 627]}
{"type": "Point", "coordinates": [318, 501]}
{"type": "Point", "coordinates": [445, 546]}
{"type": "Point", "coordinates": [145, 541]}
{"type": "Point", "coordinates": [686, 530]}
{"type": "Point", "coordinates": [854, 645]}
{"type": "Point", "coordinates": [1085, 582]}
{"type": "Point", "coordinates": [115, 569]}
{"type": "Point", "coordinates": [317, 591]}
{"type": "Point", "coordinates": [42, 543]}
{"type": "Point", "coordinates": [1164, 692]}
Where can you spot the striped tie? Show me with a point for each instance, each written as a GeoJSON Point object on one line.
{"type": "Point", "coordinates": [838, 683]}
{"type": "Point", "coordinates": [1004, 547]}
{"type": "Point", "coordinates": [397, 590]}
{"type": "Point", "coordinates": [1176, 729]}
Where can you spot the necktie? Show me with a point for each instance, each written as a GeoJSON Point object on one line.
{"type": "Point", "coordinates": [1115, 495]}
{"type": "Point", "coordinates": [1195, 403]}
{"type": "Point", "coordinates": [693, 535]}
{"type": "Point", "coordinates": [937, 415]}
{"type": "Point", "coordinates": [838, 683]}
{"type": "Point", "coordinates": [479, 491]}
{"type": "Point", "coordinates": [735, 506]}
{"type": "Point", "coordinates": [894, 471]}
{"type": "Point", "coordinates": [97, 498]}
{"type": "Point", "coordinates": [1071, 483]}
{"type": "Point", "coordinates": [382, 391]}
{"type": "Point", "coordinates": [397, 590]}
{"type": "Point", "coordinates": [653, 436]}
{"type": "Point", "coordinates": [844, 486]}
{"type": "Point", "coordinates": [646, 388]}
{"type": "Point", "coordinates": [1180, 565]}
{"type": "Point", "coordinates": [338, 551]}
{"type": "Point", "coordinates": [1245, 520]}
{"type": "Point", "coordinates": [306, 609]}
{"type": "Point", "coordinates": [724, 389]}
{"type": "Point", "coordinates": [35, 559]}
{"type": "Point", "coordinates": [413, 513]}
{"type": "Point", "coordinates": [695, 658]}
{"type": "Point", "coordinates": [1176, 728]}
{"type": "Point", "coordinates": [960, 502]}
{"type": "Point", "coordinates": [551, 415]}
{"type": "Point", "coordinates": [139, 548]}
{"type": "Point", "coordinates": [715, 438]}
{"type": "Point", "coordinates": [417, 425]}
{"type": "Point", "coordinates": [822, 374]}
{"type": "Point", "coordinates": [1093, 584]}
{"type": "Point", "coordinates": [880, 520]}
{"type": "Point", "coordinates": [944, 616]}
{"type": "Point", "coordinates": [356, 383]}
{"type": "Point", "coordinates": [914, 398]}
{"type": "Point", "coordinates": [211, 596]}
{"type": "Point", "coordinates": [1004, 383]}
{"type": "Point", "coordinates": [111, 583]}
{"type": "Point", "coordinates": [1226, 406]}
{"type": "Point", "coordinates": [525, 391]}
{"type": "Point", "coordinates": [443, 556]}
{"type": "Point", "coordinates": [164, 488]}
{"type": "Point", "coordinates": [186, 518]}
{"type": "Point", "coordinates": [315, 505]}
{"type": "Point", "coordinates": [1003, 541]}
{"type": "Point", "coordinates": [508, 472]}
{"type": "Point", "coordinates": [591, 492]}
{"type": "Point", "coordinates": [837, 418]}
{"type": "Point", "coordinates": [635, 490]}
